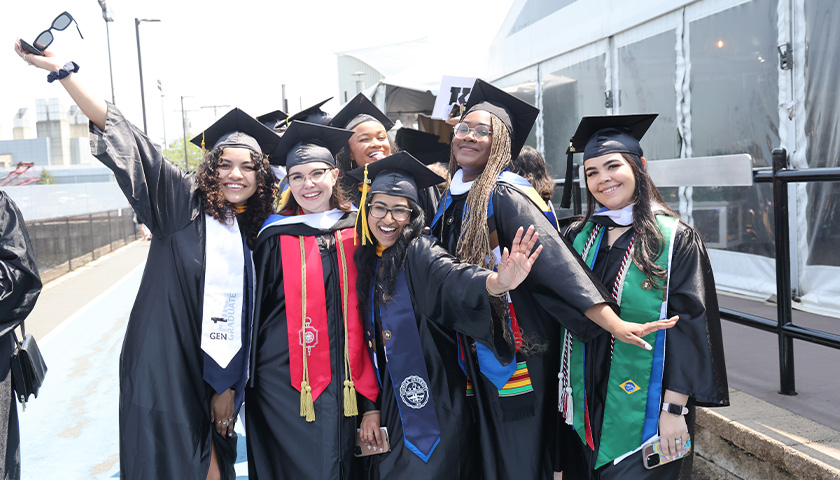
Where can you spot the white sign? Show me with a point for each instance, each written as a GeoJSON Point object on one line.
{"type": "Point", "coordinates": [452, 91]}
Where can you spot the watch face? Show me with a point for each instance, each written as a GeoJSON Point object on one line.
{"type": "Point", "coordinates": [675, 408]}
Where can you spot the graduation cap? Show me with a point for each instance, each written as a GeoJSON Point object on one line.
{"type": "Point", "coordinates": [399, 174]}
{"type": "Point", "coordinates": [305, 142]}
{"type": "Point", "coordinates": [517, 115]}
{"type": "Point", "coordinates": [359, 110]}
{"type": "Point", "coordinates": [313, 114]}
{"type": "Point", "coordinates": [425, 146]}
{"type": "Point", "coordinates": [273, 119]}
{"type": "Point", "coordinates": [237, 129]}
{"type": "Point", "coordinates": [603, 134]}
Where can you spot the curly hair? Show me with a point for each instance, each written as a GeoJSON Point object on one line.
{"type": "Point", "coordinates": [649, 243]}
{"type": "Point", "coordinates": [215, 205]}
{"type": "Point", "coordinates": [391, 262]}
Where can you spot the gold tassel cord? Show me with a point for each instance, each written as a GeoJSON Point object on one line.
{"type": "Point", "coordinates": [351, 408]}
{"type": "Point", "coordinates": [307, 405]}
{"type": "Point", "coordinates": [362, 215]}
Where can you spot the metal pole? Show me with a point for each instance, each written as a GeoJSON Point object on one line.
{"type": "Point", "coordinates": [783, 285]}
{"type": "Point", "coordinates": [163, 113]}
{"type": "Point", "coordinates": [110, 67]}
{"type": "Point", "coordinates": [140, 65]}
{"type": "Point", "coordinates": [184, 126]}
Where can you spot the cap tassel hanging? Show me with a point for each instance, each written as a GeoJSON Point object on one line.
{"type": "Point", "coordinates": [351, 408]}
{"type": "Point", "coordinates": [362, 216]}
{"type": "Point", "coordinates": [566, 200]}
{"type": "Point", "coordinates": [307, 405]}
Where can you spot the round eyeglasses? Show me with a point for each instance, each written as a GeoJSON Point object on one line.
{"type": "Point", "coordinates": [315, 176]}
{"type": "Point", "coordinates": [481, 131]}
{"type": "Point", "coordinates": [379, 210]}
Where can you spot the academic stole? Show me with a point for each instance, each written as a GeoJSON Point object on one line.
{"type": "Point", "coordinates": [308, 325]}
{"type": "Point", "coordinates": [513, 379]}
{"type": "Point", "coordinates": [631, 412]}
{"type": "Point", "coordinates": [409, 376]}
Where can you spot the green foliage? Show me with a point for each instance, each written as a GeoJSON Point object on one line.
{"type": "Point", "coordinates": [175, 153]}
{"type": "Point", "coordinates": [46, 178]}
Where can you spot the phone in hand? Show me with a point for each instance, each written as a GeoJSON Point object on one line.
{"type": "Point", "coordinates": [29, 48]}
{"type": "Point", "coordinates": [653, 457]}
{"type": "Point", "coordinates": [361, 449]}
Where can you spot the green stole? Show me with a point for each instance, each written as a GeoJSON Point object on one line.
{"type": "Point", "coordinates": [631, 413]}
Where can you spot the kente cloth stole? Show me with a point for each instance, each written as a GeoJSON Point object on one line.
{"type": "Point", "coordinates": [312, 331]}
{"type": "Point", "coordinates": [407, 368]}
{"type": "Point", "coordinates": [224, 279]}
{"type": "Point", "coordinates": [631, 413]}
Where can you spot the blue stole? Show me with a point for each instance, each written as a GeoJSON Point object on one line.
{"type": "Point", "coordinates": [489, 366]}
{"type": "Point", "coordinates": [407, 368]}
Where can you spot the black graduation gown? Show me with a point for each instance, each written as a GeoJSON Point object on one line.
{"type": "Point", "coordinates": [20, 286]}
{"type": "Point", "coordinates": [694, 362]}
{"type": "Point", "coordinates": [447, 297]}
{"type": "Point", "coordinates": [281, 443]}
{"type": "Point", "coordinates": [517, 434]}
{"type": "Point", "coordinates": [165, 429]}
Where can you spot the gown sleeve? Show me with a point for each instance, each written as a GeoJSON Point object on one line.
{"type": "Point", "coordinates": [453, 295]}
{"type": "Point", "coordinates": [560, 286]}
{"type": "Point", "coordinates": [694, 362]}
{"type": "Point", "coordinates": [163, 195]}
{"type": "Point", "coordinates": [20, 284]}
{"type": "Point", "coordinates": [269, 293]}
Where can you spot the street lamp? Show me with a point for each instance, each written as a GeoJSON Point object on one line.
{"type": "Point", "coordinates": [140, 64]}
{"type": "Point", "coordinates": [106, 15]}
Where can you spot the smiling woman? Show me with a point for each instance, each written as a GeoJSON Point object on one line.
{"type": "Point", "coordinates": [197, 286]}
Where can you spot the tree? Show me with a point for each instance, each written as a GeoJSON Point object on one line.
{"type": "Point", "coordinates": [46, 178]}
{"type": "Point", "coordinates": [175, 154]}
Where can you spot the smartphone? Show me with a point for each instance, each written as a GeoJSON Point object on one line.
{"type": "Point", "coordinates": [361, 449]}
{"type": "Point", "coordinates": [29, 48]}
{"type": "Point", "coordinates": [653, 457]}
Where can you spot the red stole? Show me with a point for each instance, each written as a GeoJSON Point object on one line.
{"type": "Point", "coordinates": [315, 330]}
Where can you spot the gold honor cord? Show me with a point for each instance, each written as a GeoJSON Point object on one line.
{"type": "Point", "coordinates": [307, 406]}
{"type": "Point", "coordinates": [362, 215]}
{"type": "Point", "coordinates": [351, 409]}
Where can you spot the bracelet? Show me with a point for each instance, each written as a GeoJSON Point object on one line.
{"type": "Point", "coordinates": [64, 72]}
{"type": "Point", "coordinates": [497, 295]}
{"type": "Point", "coordinates": [370, 412]}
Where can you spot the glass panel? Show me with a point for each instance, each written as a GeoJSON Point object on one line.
{"type": "Point", "coordinates": [822, 127]}
{"type": "Point", "coordinates": [526, 91]}
{"type": "Point", "coordinates": [734, 97]}
{"type": "Point", "coordinates": [646, 76]}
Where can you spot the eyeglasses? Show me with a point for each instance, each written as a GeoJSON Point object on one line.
{"type": "Point", "coordinates": [61, 22]}
{"type": "Point", "coordinates": [481, 131]}
{"type": "Point", "coordinates": [297, 179]}
{"type": "Point", "coordinates": [378, 210]}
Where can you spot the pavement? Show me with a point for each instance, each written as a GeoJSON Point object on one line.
{"type": "Point", "coordinates": [71, 429]}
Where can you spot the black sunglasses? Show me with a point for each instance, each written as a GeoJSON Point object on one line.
{"type": "Point", "coordinates": [61, 22]}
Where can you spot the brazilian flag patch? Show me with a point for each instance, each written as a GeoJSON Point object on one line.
{"type": "Point", "coordinates": [629, 387]}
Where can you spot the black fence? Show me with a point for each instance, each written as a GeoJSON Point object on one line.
{"type": "Point", "coordinates": [65, 243]}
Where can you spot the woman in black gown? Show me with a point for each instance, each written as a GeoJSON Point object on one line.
{"type": "Point", "coordinates": [633, 397]}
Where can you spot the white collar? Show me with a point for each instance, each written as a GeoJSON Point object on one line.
{"type": "Point", "coordinates": [622, 217]}
{"type": "Point", "coordinates": [320, 221]}
{"type": "Point", "coordinates": [458, 186]}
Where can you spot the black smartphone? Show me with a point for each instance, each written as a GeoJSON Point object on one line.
{"type": "Point", "coordinates": [29, 48]}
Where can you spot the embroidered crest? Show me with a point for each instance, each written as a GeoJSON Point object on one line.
{"type": "Point", "coordinates": [414, 392]}
{"type": "Point", "coordinates": [310, 334]}
{"type": "Point", "coordinates": [630, 387]}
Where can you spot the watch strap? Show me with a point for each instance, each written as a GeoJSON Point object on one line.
{"type": "Point", "coordinates": [674, 408]}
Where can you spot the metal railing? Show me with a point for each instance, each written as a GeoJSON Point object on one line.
{"type": "Point", "coordinates": [780, 176]}
{"type": "Point", "coordinates": [64, 243]}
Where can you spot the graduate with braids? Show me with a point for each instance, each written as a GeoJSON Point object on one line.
{"type": "Point", "coordinates": [478, 217]}
{"type": "Point", "coordinates": [619, 398]}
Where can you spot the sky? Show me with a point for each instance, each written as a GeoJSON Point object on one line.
{"type": "Point", "coordinates": [222, 52]}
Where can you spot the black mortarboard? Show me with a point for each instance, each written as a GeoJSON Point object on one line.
{"type": "Point", "coordinates": [273, 119]}
{"type": "Point", "coordinates": [517, 115]}
{"type": "Point", "coordinates": [425, 146]}
{"type": "Point", "coordinates": [359, 110]}
{"type": "Point", "coordinates": [399, 174]}
{"type": "Point", "coordinates": [313, 114]}
{"type": "Point", "coordinates": [237, 129]}
{"type": "Point", "coordinates": [309, 142]}
{"type": "Point", "coordinates": [603, 134]}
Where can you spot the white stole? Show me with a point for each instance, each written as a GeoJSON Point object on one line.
{"type": "Point", "coordinates": [224, 277]}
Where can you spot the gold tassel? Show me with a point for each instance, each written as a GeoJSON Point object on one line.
{"type": "Point", "coordinates": [351, 409]}
{"type": "Point", "coordinates": [307, 405]}
{"type": "Point", "coordinates": [363, 212]}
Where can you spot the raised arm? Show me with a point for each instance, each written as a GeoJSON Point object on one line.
{"type": "Point", "coordinates": [95, 109]}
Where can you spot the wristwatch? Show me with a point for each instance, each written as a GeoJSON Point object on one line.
{"type": "Point", "coordinates": [674, 408]}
